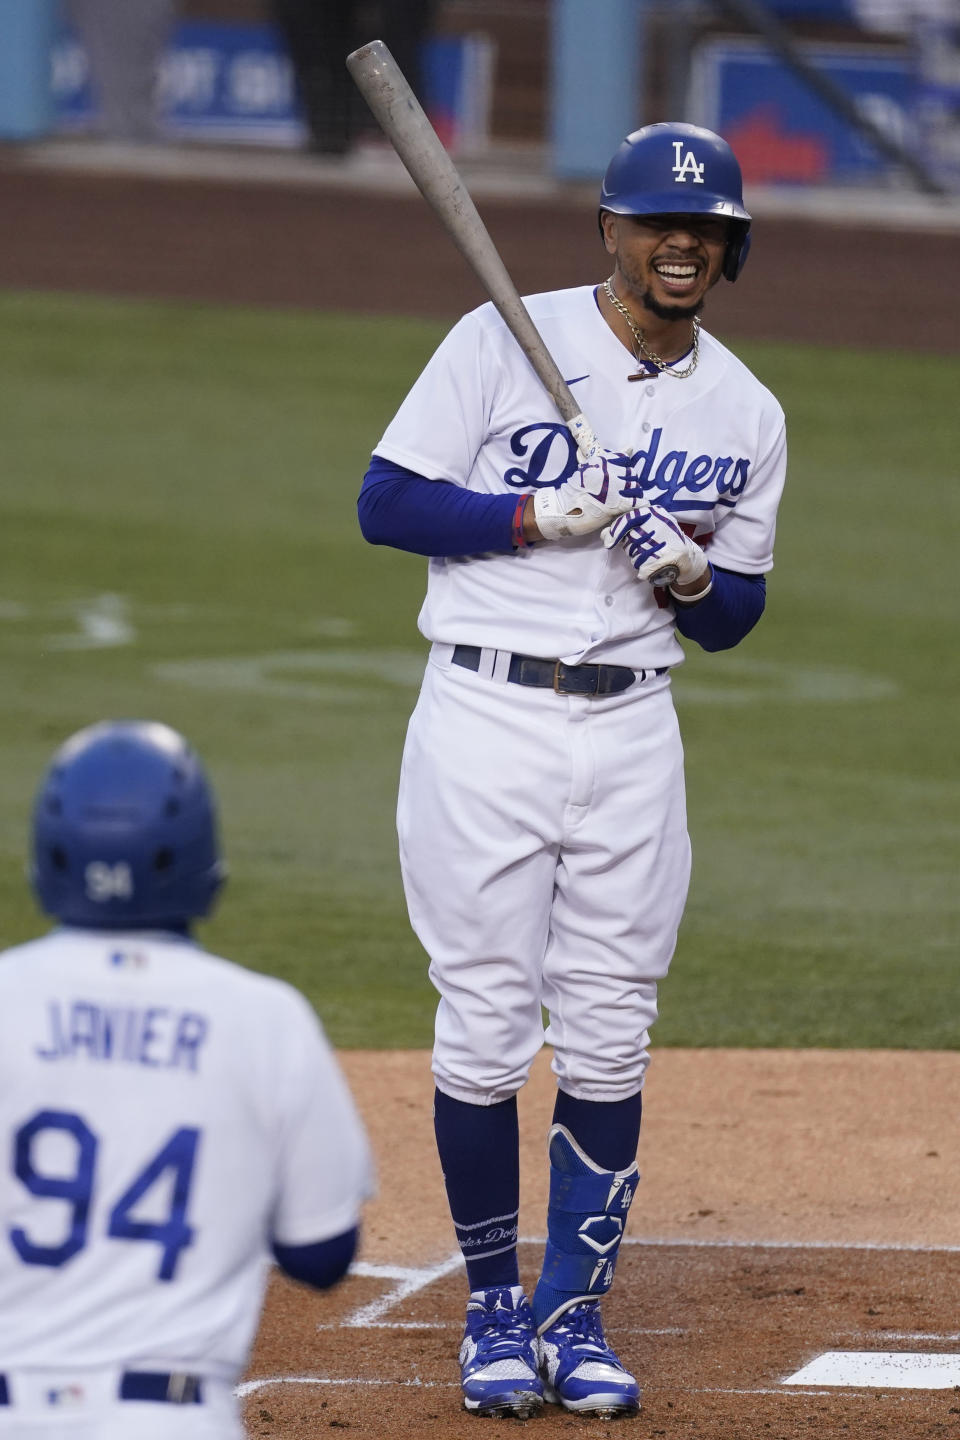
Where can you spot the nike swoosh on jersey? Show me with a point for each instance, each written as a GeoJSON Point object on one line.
{"type": "Point", "coordinates": [577, 380]}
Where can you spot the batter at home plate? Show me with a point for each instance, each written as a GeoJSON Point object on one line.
{"type": "Point", "coordinates": [541, 815]}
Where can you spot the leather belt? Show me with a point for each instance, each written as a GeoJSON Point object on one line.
{"type": "Point", "coordinates": [168, 1389]}
{"type": "Point", "coordinates": [556, 675]}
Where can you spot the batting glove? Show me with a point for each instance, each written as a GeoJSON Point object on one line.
{"type": "Point", "coordinates": [651, 540]}
{"type": "Point", "coordinates": [599, 490]}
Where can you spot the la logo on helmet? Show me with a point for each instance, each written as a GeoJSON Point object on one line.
{"type": "Point", "coordinates": [687, 166]}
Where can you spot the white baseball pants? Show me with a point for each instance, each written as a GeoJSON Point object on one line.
{"type": "Point", "coordinates": [545, 861]}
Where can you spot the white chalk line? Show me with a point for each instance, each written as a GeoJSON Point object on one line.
{"type": "Point", "coordinates": [398, 1325]}
{"type": "Point", "coordinates": [393, 1272]}
{"type": "Point", "coordinates": [777, 1390]}
{"type": "Point", "coordinates": [412, 1279]}
{"type": "Point", "coordinates": [252, 1387]}
{"type": "Point", "coordinates": [683, 1240]}
{"type": "Point", "coordinates": [932, 1336]}
{"type": "Point", "coordinates": [458, 1326]}
{"type": "Point", "coordinates": [409, 1282]}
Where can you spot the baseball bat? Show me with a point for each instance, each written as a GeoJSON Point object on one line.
{"type": "Point", "coordinates": [403, 120]}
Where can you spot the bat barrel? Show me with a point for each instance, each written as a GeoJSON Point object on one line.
{"type": "Point", "coordinates": [402, 118]}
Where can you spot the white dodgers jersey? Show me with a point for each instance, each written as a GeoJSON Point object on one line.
{"type": "Point", "coordinates": [710, 448]}
{"type": "Point", "coordinates": [164, 1116]}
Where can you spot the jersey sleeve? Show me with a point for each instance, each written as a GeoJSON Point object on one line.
{"type": "Point", "coordinates": [743, 538]}
{"type": "Point", "coordinates": [440, 426]}
{"type": "Point", "coordinates": [325, 1169]}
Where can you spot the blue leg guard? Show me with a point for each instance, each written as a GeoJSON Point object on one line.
{"type": "Point", "coordinates": [585, 1223]}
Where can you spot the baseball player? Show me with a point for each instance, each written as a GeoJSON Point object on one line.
{"type": "Point", "coordinates": [167, 1119]}
{"type": "Point", "coordinates": [541, 811]}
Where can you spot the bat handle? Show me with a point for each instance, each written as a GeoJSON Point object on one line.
{"type": "Point", "coordinates": [664, 577]}
{"type": "Point", "coordinates": [581, 430]}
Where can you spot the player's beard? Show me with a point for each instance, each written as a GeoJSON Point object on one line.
{"type": "Point", "coordinates": [668, 312]}
{"type": "Point", "coordinates": [664, 310]}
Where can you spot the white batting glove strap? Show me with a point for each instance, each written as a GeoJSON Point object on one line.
{"type": "Point", "coordinates": [599, 490]}
{"type": "Point", "coordinates": [651, 539]}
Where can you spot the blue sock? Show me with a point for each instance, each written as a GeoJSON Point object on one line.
{"type": "Point", "coordinates": [608, 1130]}
{"type": "Point", "coordinates": [479, 1147]}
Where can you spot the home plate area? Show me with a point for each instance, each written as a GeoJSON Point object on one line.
{"type": "Point", "coordinates": [731, 1340]}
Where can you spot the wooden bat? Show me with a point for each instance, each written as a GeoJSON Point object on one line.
{"type": "Point", "coordinates": [402, 118]}
{"type": "Point", "coordinates": [404, 122]}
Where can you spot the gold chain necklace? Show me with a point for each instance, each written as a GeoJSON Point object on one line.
{"type": "Point", "coordinates": [642, 350]}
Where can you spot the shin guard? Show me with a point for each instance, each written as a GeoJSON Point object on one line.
{"type": "Point", "coordinates": [585, 1224]}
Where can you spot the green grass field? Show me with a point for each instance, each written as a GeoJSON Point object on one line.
{"type": "Point", "coordinates": [180, 542]}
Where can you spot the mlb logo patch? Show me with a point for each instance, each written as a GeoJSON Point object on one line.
{"type": "Point", "coordinates": [129, 960]}
{"type": "Point", "coordinates": [66, 1395]}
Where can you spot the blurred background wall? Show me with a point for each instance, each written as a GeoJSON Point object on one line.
{"type": "Point", "coordinates": [808, 91]}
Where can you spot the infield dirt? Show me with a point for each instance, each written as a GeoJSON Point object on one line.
{"type": "Point", "coordinates": [792, 1203]}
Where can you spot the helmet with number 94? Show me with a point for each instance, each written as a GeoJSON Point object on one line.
{"type": "Point", "coordinates": [676, 169]}
{"type": "Point", "coordinates": [124, 830]}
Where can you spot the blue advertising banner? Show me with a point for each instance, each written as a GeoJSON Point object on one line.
{"type": "Point", "coordinates": [781, 131]}
{"type": "Point", "coordinates": [839, 10]}
{"type": "Point", "coordinates": [234, 83]}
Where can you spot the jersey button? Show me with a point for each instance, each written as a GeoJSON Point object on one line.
{"type": "Point", "coordinates": [608, 600]}
{"type": "Point", "coordinates": [645, 426]}
{"type": "Point", "coordinates": [650, 390]}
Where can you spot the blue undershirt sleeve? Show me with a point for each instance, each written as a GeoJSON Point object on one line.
{"type": "Point", "coordinates": [398, 507]}
{"type": "Point", "coordinates": [320, 1265]}
{"type": "Point", "coordinates": [728, 613]}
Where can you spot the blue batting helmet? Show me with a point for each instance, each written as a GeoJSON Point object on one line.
{"type": "Point", "coordinates": [124, 830]}
{"type": "Point", "coordinates": [680, 170]}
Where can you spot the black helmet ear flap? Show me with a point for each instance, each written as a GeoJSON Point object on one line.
{"type": "Point", "coordinates": [738, 248]}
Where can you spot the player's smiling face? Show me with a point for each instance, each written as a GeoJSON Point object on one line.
{"type": "Point", "coordinates": [667, 262]}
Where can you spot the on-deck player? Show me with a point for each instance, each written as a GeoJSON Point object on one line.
{"type": "Point", "coordinates": [541, 812]}
{"type": "Point", "coordinates": [166, 1117]}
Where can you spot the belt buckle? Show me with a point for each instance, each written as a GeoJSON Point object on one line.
{"type": "Point", "coordinates": [560, 689]}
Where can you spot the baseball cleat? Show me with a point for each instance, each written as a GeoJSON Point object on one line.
{"type": "Point", "coordinates": [580, 1371]}
{"type": "Point", "coordinates": [498, 1359]}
